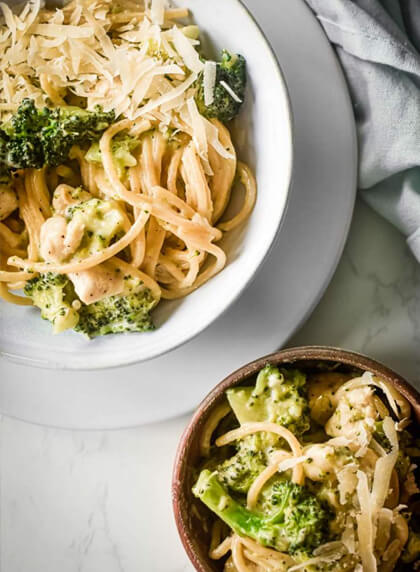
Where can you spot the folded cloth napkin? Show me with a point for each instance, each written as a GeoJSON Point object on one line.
{"type": "Point", "coordinates": [378, 44]}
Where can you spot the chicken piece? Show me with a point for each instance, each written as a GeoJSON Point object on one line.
{"type": "Point", "coordinates": [355, 414]}
{"type": "Point", "coordinates": [347, 482]}
{"type": "Point", "coordinates": [8, 201]}
{"type": "Point", "coordinates": [66, 196]}
{"type": "Point", "coordinates": [52, 236]}
{"type": "Point", "coordinates": [97, 283]}
{"type": "Point", "coordinates": [322, 390]}
{"type": "Point", "coordinates": [367, 465]}
{"type": "Point", "coordinates": [59, 239]}
{"type": "Point", "coordinates": [74, 236]}
{"type": "Point", "coordinates": [324, 461]}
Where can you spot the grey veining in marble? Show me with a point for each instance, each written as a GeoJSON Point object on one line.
{"type": "Point", "coordinates": [373, 302]}
{"type": "Point", "coordinates": [88, 502]}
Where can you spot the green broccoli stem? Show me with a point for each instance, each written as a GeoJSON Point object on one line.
{"type": "Point", "coordinates": [243, 521]}
{"type": "Point", "coordinates": [294, 520]}
{"type": "Point", "coordinates": [212, 493]}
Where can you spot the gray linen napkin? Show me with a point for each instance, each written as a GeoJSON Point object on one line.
{"type": "Point", "coordinates": [378, 44]}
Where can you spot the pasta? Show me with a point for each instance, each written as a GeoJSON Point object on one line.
{"type": "Point", "coordinates": [109, 99]}
{"type": "Point", "coordinates": [290, 494]}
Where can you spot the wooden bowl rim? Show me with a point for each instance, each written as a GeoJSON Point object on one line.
{"type": "Point", "coordinates": [287, 356]}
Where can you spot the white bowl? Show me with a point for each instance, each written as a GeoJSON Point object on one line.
{"type": "Point", "coordinates": [264, 140]}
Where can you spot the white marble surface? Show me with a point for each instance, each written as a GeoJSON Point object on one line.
{"type": "Point", "coordinates": [373, 303]}
{"type": "Point", "coordinates": [88, 501]}
{"type": "Point", "coordinates": [100, 501]}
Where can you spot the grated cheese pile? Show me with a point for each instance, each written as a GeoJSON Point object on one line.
{"type": "Point", "coordinates": [367, 524]}
{"type": "Point", "coordinates": [121, 55]}
{"type": "Point", "coordinates": [364, 484]}
{"type": "Point", "coordinates": [371, 516]}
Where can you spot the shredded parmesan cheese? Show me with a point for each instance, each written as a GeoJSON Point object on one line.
{"type": "Point", "coordinates": [377, 447]}
{"type": "Point", "coordinates": [147, 69]}
{"type": "Point", "coordinates": [365, 525]}
{"type": "Point", "coordinates": [212, 133]}
{"type": "Point", "coordinates": [187, 51]}
{"type": "Point", "coordinates": [158, 11]}
{"type": "Point", "coordinates": [348, 537]}
{"type": "Point", "coordinates": [230, 91]}
{"type": "Point", "coordinates": [363, 439]}
{"type": "Point", "coordinates": [58, 31]}
{"type": "Point", "coordinates": [209, 81]}
{"type": "Point", "coordinates": [397, 402]}
{"type": "Point", "coordinates": [291, 463]}
{"type": "Point", "coordinates": [347, 482]}
{"type": "Point", "coordinates": [199, 134]}
{"type": "Point", "coordinates": [324, 554]}
{"type": "Point", "coordinates": [383, 469]}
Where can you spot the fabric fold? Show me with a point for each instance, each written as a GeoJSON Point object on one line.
{"type": "Point", "coordinates": [378, 42]}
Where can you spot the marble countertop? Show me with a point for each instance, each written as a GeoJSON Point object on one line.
{"type": "Point", "coordinates": [78, 501]}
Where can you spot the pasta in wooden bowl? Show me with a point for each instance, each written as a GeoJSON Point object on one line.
{"type": "Point", "coordinates": [304, 460]}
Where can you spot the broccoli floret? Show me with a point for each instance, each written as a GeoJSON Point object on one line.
{"type": "Point", "coordinates": [22, 134]}
{"type": "Point", "coordinates": [122, 152]}
{"type": "Point", "coordinates": [239, 472]}
{"type": "Point", "coordinates": [294, 519]}
{"type": "Point", "coordinates": [117, 314]}
{"type": "Point", "coordinates": [68, 126]}
{"type": "Point", "coordinates": [35, 137]}
{"type": "Point", "coordinates": [53, 294]}
{"type": "Point", "coordinates": [304, 518]}
{"type": "Point", "coordinates": [406, 442]}
{"type": "Point", "coordinates": [279, 396]}
{"type": "Point", "coordinates": [5, 166]}
{"type": "Point", "coordinates": [231, 70]}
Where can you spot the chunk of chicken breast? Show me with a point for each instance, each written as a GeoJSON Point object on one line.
{"type": "Point", "coordinates": [66, 196]}
{"type": "Point", "coordinates": [59, 239]}
{"type": "Point", "coordinates": [97, 283]}
{"type": "Point", "coordinates": [356, 413]}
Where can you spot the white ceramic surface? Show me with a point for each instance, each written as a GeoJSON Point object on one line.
{"type": "Point", "coordinates": [285, 291]}
{"type": "Point", "coordinates": [265, 141]}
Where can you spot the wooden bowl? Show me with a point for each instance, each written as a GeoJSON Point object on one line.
{"type": "Point", "coordinates": [193, 519]}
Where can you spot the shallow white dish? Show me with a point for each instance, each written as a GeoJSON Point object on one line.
{"type": "Point", "coordinates": [289, 285]}
{"type": "Point", "coordinates": [265, 142]}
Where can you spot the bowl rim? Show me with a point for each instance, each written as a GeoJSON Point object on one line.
{"type": "Point", "coordinates": [286, 356]}
{"type": "Point", "coordinates": [97, 361]}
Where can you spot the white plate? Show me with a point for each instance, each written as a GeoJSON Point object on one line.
{"type": "Point", "coordinates": [285, 291]}
{"type": "Point", "coordinates": [265, 142]}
